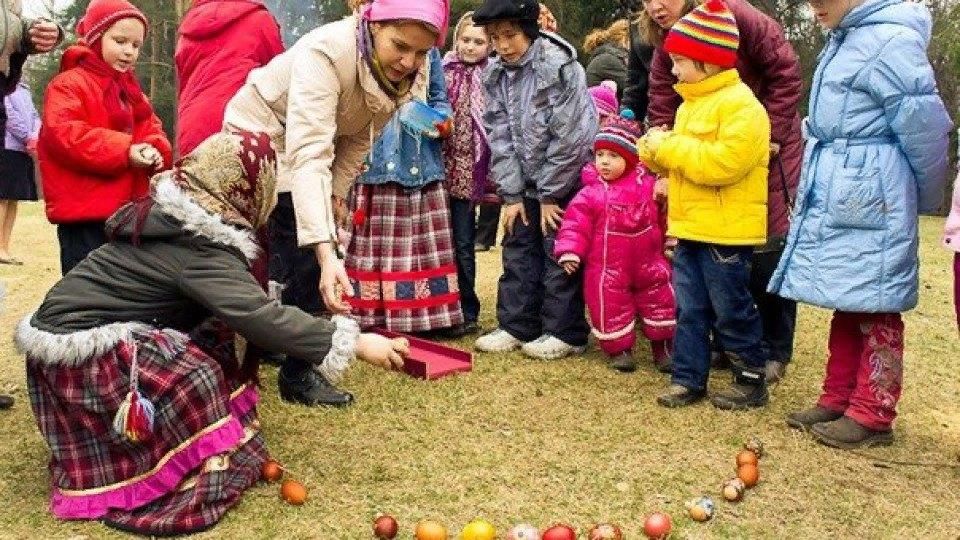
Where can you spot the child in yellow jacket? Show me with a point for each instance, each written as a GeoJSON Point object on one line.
{"type": "Point", "coordinates": [715, 160]}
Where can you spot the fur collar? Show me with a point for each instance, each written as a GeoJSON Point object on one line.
{"type": "Point", "coordinates": [172, 201]}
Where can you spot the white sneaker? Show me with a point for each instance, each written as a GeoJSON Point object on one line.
{"type": "Point", "coordinates": [497, 341]}
{"type": "Point", "coordinates": [547, 347]}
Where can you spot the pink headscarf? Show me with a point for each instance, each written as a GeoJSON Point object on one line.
{"type": "Point", "coordinates": [433, 12]}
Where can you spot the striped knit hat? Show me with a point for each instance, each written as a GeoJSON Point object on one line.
{"type": "Point", "coordinates": [707, 34]}
{"type": "Point", "coordinates": [619, 134]}
{"type": "Point", "coordinates": [100, 16]}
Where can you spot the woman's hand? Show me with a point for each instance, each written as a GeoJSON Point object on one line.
{"type": "Point", "coordinates": [510, 214]}
{"type": "Point", "coordinates": [551, 215]}
{"type": "Point", "coordinates": [381, 351]}
{"type": "Point", "coordinates": [774, 149]}
{"type": "Point", "coordinates": [44, 35]}
{"type": "Point", "coordinates": [334, 283]}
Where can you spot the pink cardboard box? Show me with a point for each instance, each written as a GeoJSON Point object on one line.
{"type": "Point", "coordinates": [429, 360]}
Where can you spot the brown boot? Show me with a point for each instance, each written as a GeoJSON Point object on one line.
{"type": "Point", "coordinates": [804, 419]}
{"type": "Point", "coordinates": [846, 434]}
{"type": "Point", "coordinates": [624, 362]}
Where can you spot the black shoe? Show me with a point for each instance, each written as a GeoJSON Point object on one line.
{"type": "Point", "coordinates": [481, 247]}
{"type": "Point", "coordinates": [679, 396]}
{"type": "Point", "coordinates": [719, 360]}
{"type": "Point", "coordinates": [469, 328]}
{"type": "Point", "coordinates": [6, 401]}
{"type": "Point", "coordinates": [805, 419]}
{"type": "Point", "coordinates": [273, 358]}
{"type": "Point", "coordinates": [749, 389]}
{"type": "Point", "coordinates": [310, 388]}
{"type": "Point", "coordinates": [624, 362]}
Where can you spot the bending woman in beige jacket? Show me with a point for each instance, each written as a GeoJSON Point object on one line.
{"type": "Point", "coordinates": [323, 102]}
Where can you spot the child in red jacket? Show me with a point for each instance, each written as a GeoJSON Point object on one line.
{"type": "Point", "coordinates": [218, 43]}
{"type": "Point", "coordinates": [100, 138]}
{"type": "Point", "coordinates": [614, 229]}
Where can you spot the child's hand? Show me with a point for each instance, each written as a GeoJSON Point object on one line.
{"type": "Point", "coordinates": [669, 247]}
{"type": "Point", "coordinates": [660, 190]}
{"type": "Point", "coordinates": [551, 215]}
{"type": "Point", "coordinates": [570, 267]}
{"type": "Point", "coordinates": [510, 214]}
{"type": "Point", "coordinates": [31, 146]}
{"type": "Point", "coordinates": [381, 351]}
{"type": "Point", "coordinates": [774, 149]}
{"type": "Point", "coordinates": [145, 156]}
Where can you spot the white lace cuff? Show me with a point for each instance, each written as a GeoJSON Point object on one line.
{"type": "Point", "coordinates": [343, 346]}
{"type": "Point", "coordinates": [569, 257]}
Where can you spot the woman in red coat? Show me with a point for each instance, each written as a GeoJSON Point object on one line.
{"type": "Point", "coordinates": [768, 64]}
{"type": "Point", "coordinates": [100, 138]}
{"type": "Point", "coordinates": [219, 42]}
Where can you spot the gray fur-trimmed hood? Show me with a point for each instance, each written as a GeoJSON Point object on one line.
{"type": "Point", "coordinates": [173, 214]}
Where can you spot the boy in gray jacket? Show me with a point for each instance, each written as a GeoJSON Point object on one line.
{"type": "Point", "coordinates": [541, 125]}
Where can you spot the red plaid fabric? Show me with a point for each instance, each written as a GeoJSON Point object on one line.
{"type": "Point", "coordinates": [401, 259]}
{"type": "Point", "coordinates": [96, 473]}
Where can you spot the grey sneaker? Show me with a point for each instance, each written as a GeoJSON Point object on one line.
{"type": "Point", "coordinates": [498, 341]}
{"type": "Point", "coordinates": [846, 434]}
{"type": "Point", "coordinates": [805, 419]}
{"type": "Point", "coordinates": [547, 347]}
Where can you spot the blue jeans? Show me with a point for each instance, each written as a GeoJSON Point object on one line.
{"type": "Point", "coordinates": [712, 285]}
{"type": "Point", "coordinates": [464, 236]}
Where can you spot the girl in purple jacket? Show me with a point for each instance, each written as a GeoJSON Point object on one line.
{"type": "Point", "coordinates": [614, 229]}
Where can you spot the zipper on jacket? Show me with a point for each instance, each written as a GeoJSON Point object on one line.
{"type": "Point", "coordinates": [603, 268]}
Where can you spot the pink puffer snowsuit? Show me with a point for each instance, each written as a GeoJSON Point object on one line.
{"type": "Point", "coordinates": [615, 230]}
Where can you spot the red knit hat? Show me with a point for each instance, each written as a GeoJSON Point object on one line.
{"type": "Point", "coordinates": [101, 14]}
{"type": "Point", "coordinates": [707, 34]}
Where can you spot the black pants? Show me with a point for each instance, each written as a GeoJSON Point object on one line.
{"type": "Point", "coordinates": [464, 236]}
{"type": "Point", "coordinates": [295, 268]}
{"type": "Point", "coordinates": [487, 224]}
{"type": "Point", "coordinates": [77, 240]}
{"type": "Point", "coordinates": [535, 296]}
{"type": "Point", "coordinates": [778, 315]}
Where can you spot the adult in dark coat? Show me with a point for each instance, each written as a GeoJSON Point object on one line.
{"type": "Point", "coordinates": [607, 48]}
{"type": "Point", "coordinates": [768, 64]}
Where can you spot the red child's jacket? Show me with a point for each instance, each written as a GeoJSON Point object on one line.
{"type": "Point", "coordinates": [84, 164]}
{"type": "Point", "coordinates": [220, 42]}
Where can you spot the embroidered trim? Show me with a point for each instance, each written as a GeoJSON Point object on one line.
{"type": "Point", "coordinates": [343, 347]}
{"type": "Point", "coordinates": [173, 202]}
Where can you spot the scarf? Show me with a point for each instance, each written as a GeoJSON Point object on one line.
{"type": "Point", "coordinates": [465, 84]}
{"type": "Point", "coordinates": [123, 99]}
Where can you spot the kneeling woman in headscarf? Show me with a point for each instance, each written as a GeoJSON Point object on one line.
{"type": "Point", "coordinates": [131, 365]}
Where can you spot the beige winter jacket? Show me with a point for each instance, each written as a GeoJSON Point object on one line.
{"type": "Point", "coordinates": [13, 29]}
{"type": "Point", "coordinates": [322, 107]}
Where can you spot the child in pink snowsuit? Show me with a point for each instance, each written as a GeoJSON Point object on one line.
{"type": "Point", "coordinates": [613, 227]}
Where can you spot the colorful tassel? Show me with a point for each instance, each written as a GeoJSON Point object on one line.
{"type": "Point", "coordinates": [134, 420]}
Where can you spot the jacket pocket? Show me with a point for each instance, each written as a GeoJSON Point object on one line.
{"type": "Point", "coordinates": [855, 200]}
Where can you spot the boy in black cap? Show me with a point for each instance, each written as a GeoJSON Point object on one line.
{"type": "Point", "coordinates": [541, 123]}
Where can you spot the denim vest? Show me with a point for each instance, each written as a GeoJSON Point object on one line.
{"type": "Point", "coordinates": [409, 160]}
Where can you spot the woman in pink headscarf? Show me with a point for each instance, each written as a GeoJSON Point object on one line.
{"type": "Point", "coordinates": [323, 102]}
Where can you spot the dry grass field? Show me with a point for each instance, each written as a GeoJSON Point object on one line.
{"type": "Point", "coordinates": [573, 441]}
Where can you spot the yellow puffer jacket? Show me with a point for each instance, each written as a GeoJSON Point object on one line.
{"type": "Point", "coordinates": [716, 159]}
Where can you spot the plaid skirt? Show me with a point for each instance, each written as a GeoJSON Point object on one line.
{"type": "Point", "coordinates": [400, 258]}
{"type": "Point", "coordinates": [204, 451]}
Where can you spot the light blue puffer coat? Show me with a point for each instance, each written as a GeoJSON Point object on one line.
{"type": "Point", "coordinates": [876, 154]}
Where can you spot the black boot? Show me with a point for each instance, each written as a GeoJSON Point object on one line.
{"type": "Point", "coordinates": [307, 387]}
{"type": "Point", "coordinates": [6, 401]}
{"type": "Point", "coordinates": [273, 358]}
{"type": "Point", "coordinates": [749, 388]}
{"type": "Point", "coordinates": [458, 331]}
